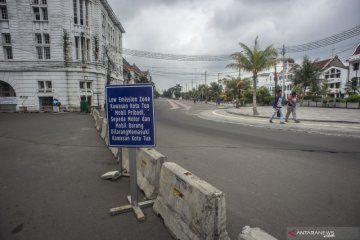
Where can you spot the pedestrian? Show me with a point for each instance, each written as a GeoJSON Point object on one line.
{"type": "Point", "coordinates": [278, 104]}
{"type": "Point", "coordinates": [291, 107]}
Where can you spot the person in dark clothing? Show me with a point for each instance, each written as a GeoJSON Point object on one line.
{"type": "Point", "coordinates": [278, 104]}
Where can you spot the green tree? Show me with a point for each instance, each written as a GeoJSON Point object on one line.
{"type": "Point", "coordinates": [255, 60]}
{"type": "Point", "coordinates": [214, 90]}
{"type": "Point", "coordinates": [236, 88]}
{"type": "Point", "coordinates": [306, 77]}
{"type": "Point", "coordinates": [352, 87]}
{"type": "Point", "coordinates": [263, 95]}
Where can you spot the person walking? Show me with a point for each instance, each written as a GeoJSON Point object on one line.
{"type": "Point", "coordinates": [278, 104]}
{"type": "Point", "coordinates": [291, 107]}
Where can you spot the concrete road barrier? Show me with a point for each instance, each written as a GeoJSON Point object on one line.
{"type": "Point", "coordinates": [99, 122]}
{"type": "Point", "coordinates": [104, 130]}
{"type": "Point", "coordinates": [149, 163]}
{"type": "Point", "coordinates": [249, 233]}
{"type": "Point", "coordinates": [125, 159]}
{"type": "Point", "coordinates": [191, 208]}
{"type": "Point", "coordinates": [114, 151]}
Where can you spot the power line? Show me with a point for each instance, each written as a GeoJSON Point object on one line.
{"type": "Point", "coordinates": [333, 39]}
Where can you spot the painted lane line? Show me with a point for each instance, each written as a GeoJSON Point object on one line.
{"type": "Point", "coordinates": [173, 105]}
{"type": "Point", "coordinates": [186, 107]}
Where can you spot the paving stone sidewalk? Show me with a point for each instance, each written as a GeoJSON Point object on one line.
{"type": "Point", "coordinates": [306, 113]}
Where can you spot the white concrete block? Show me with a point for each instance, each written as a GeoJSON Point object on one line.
{"type": "Point", "coordinates": [249, 233]}
{"type": "Point", "coordinates": [99, 122]}
{"type": "Point", "coordinates": [113, 175]}
{"type": "Point", "coordinates": [149, 163]}
{"type": "Point", "coordinates": [192, 209]}
{"type": "Point", "coordinates": [104, 129]}
{"type": "Point", "coordinates": [125, 159]}
{"type": "Point", "coordinates": [114, 151]}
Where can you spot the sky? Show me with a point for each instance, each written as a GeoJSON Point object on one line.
{"type": "Point", "coordinates": [215, 27]}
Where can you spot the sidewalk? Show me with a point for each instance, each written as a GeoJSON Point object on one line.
{"type": "Point", "coordinates": [313, 114]}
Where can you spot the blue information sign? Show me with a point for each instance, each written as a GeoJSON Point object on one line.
{"type": "Point", "coordinates": [130, 115]}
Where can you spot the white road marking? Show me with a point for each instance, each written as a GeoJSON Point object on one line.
{"type": "Point", "coordinates": [175, 105]}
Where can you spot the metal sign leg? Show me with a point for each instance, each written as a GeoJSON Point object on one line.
{"type": "Point", "coordinates": [122, 171]}
{"type": "Point", "coordinates": [133, 198]}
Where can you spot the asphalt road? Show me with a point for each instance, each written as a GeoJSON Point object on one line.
{"type": "Point", "coordinates": [50, 185]}
{"type": "Point", "coordinates": [271, 179]}
{"type": "Point", "coordinates": [50, 167]}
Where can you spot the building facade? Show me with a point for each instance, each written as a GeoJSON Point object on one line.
{"type": "Point", "coordinates": [354, 73]}
{"type": "Point", "coordinates": [335, 75]}
{"type": "Point", "coordinates": [133, 74]}
{"type": "Point", "coordinates": [58, 49]}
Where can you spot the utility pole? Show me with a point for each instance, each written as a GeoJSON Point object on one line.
{"type": "Point", "coordinates": [283, 77]}
{"type": "Point", "coordinates": [205, 78]}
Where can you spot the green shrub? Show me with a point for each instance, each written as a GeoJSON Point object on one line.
{"type": "Point", "coordinates": [353, 98]}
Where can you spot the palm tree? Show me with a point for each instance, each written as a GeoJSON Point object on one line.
{"type": "Point", "coordinates": [235, 86]}
{"type": "Point", "coordinates": [254, 60]}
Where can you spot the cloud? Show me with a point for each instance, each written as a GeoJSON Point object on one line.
{"type": "Point", "coordinates": [213, 27]}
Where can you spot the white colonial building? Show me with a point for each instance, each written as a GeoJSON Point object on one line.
{"type": "Point", "coordinates": [63, 49]}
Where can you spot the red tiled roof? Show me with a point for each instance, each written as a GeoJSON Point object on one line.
{"type": "Point", "coordinates": [357, 50]}
{"type": "Point", "coordinates": [321, 64]}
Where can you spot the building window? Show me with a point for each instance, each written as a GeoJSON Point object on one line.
{"type": "Point", "coordinates": [38, 38]}
{"type": "Point", "coordinates": [45, 14]}
{"type": "Point", "coordinates": [75, 12]}
{"type": "Point", "coordinates": [8, 52]}
{"type": "Point", "coordinates": [81, 12]}
{"type": "Point", "coordinates": [47, 38]}
{"type": "Point", "coordinates": [47, 52]}
{"type": "Point", "coordinates": [42, 42]}
{"type": "Point", "coordinates": [88, 49]}
{"type": "Point", "coordinates": [333, 73]}
{"type": "Point", "coordinates": [6, 39]}
{"type": "Point", "coordinates": [7, 45]}
{"type": "Point", "coordinates": [356, 66]}
{"type": "Point", "coordinates": [87, 13]}
{"type": "Point", "coordinates": [40, 14]}
{"type": "Point", "coordinates": [39, 52]}
{"type": "Point", "coordinates": [85, 86]}
{"type": "Point", "coordinates": [44, 86]}
{"type": "Point", "coordinates": [77, 47]}
{"type": "Point", "coordinates": [2, 1]}
{"type": "Point", "coordinates": [4, 13]}
{"type": "Point", "coordinates": [37, 13]}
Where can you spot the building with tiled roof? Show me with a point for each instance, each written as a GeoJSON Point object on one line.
{"type": "Point", "coordinates": [335, 75]}
{"type": "Point", "coordinates": [354, 74]}
{"type": "Point", "coordinates": [133, 74]}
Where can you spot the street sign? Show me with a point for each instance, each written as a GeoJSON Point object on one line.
{"type": "Point", "coordinates": [130, 115]}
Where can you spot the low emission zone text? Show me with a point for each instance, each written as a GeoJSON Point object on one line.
{"type": "Point", "coordinates": [130, 115]}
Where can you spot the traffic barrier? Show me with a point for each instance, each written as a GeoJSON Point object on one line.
{"type": "Point", "coordinates": [149, 162]}
{"type": "Point", "coordinates": [191, 208]}
{"type": "Point", "coordinates": [114, 151]}
{"type": "Point", "coordinates": [125, 159]}
{"type": "Point", "coordinates": [104, 131]}
{"type": "Point", "coordinates": [249, 233]}
{"type": "Point", "coordinates": [99, 122]}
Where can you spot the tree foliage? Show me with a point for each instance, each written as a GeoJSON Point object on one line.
{"type": "Point", "coordinates": [254, 59]}
{"type": "Point", "coordinates": [306, 77]}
